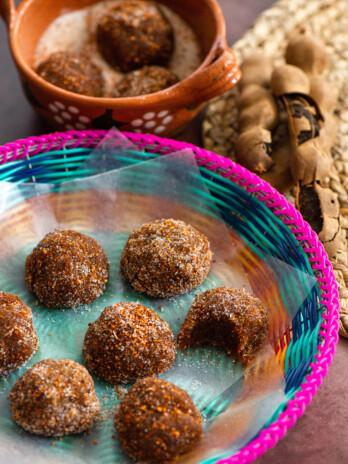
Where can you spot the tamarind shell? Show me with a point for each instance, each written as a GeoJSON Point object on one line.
{"type": "Point", "coordinates": [279, 175]}
{"type": "Point", "coordinates": [309, 163]}
{"type": "Point", "coordinates": [307, 53]}
{"type": "Point", "coordinates": [320, 208]}
{"type": "Point", "coordinates": [253, 148]}
{"type": "Point", "coordinates": [287, 79]}
{"type": "Point", "coordinates": [303, 117]}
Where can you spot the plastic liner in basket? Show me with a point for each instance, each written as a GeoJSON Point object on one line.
{"type": "Point", "coordinates": [109, 206]}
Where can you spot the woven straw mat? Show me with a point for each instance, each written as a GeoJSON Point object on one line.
{"type": "Point", "coordinates": [328, 20]}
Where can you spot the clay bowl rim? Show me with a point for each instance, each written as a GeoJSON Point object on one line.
{"type": "Point", "coordinates": [219, 45]}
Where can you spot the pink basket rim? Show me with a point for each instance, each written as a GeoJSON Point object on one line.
{"type": "Point", "coordinates": [273, 200]}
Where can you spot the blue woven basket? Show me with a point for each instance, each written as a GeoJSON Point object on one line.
{"type": "Point", "coordinates": [260, 216]}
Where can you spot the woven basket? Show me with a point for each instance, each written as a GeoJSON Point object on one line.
{"type": "Point", "coordinates": [262, 217]}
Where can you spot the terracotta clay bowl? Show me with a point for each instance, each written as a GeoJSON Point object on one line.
{"type": "Point", "coordinates": [164, 112]}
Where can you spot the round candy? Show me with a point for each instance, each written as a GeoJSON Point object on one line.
{"type": "Point", "coordinates": [73, 72]}
{"type": "Point", "coordinates": [165, 258]}
{"type": "Point", "coordinates": [157, 422]}
{"type": "Point", "coordinates": [148, 79]}
{"type": "Point", "coordinates": [133, 34]}
{"type": "Point", "coordinates": [67, 269]}
{"type": "Point", "coordinates": [54, 397]}
{"type": "Point", "coordinates": [230, 318]}
{"type": "Point", "coordinates": [18, 339]}
{"type": "Point", "coordinates": [128, 341]}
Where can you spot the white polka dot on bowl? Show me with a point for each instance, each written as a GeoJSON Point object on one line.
{"type": "Point", "coordinates": [159, 129]}
{"type": "Point", "coordinates": [163, 113]}
{"type": "Point", "coordinates": [167, 120]}
{"type": "Point", "coordinates": [150, 124]}
{"type": "Point", "coordinates": [73, 109]}
{"type": "Point", "coordinates": [59, 105]}
{"type": "Point", "coordinates": [150, 115]}
{"type": "Point", "coordinates": [137, 123]}
{"type": "Point", "coordinates": [80, 126]}
{"type": "Point", "coordinates": [84, 120]}
{"type": "Point", "coordinates": [59, 119]}
{"type": "Point", "coordinates": [66, 115]}
{"type": "Point", "coordinates": [52, 107]}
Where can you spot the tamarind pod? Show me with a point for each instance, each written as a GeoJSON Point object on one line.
{"type": "Point", "coordinates": [258, 112]}
{"type": "Point", "coordinates": [309, 163]}
{"type": "Point", "coordinates": [252, 94]}
{"type": "Point", "coordinates": [303, 116]}
{"type": "Point", "coordinates": [331, 235]}
{"type": "Point", "coordinates": [307, 53]}
{"type": "Point", "coordinates": [323, 93]}
{"type": "Point", "coordinates": [252, 149]}
{"type": "Point", "coordinates": [287, 79]}
{"type": "Point", "coordinates": [328, 132]}
{"type": "Point", "coordinates": [257, 69]}
{"type": "Point", "coordinates": [320, 208]}
{"type": "Point", "coordinates": [263, 113]}
{"type": "Point", "coordinates": [279, 175]}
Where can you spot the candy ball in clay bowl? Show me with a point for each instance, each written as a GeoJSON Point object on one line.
{"type": "Point", "coordinates": [146, 66]}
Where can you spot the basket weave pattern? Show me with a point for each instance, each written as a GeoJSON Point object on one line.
{"type": "Point", "coordinates": [306, 238]}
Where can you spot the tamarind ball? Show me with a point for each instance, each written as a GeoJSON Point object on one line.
{"type": "Point", "coordinates": [307, 53]}
{"type": "Point", "coordinates": [133, 34]}
{"type": "Point", "coordinates": [289, 79]}
{"type": "Point", "coordinates": [74, 72]}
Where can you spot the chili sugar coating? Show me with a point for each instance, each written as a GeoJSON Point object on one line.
{"type": "Point", "coordinates": [67, 269]}
{"type": "Point", "coordinates": [18, 338]}
{"type": "Point", "coordinates": [54, 397]}
{"type": "Point", "coordinates": [133, 34]}
{"type": "Point", "coordinates": [230, 318]}
{"type": "Point", "coordinates": [148, 79]}
{"type": "Point", "coordinates": [127, 342]}
{"type": "Point", "coordinates": [74, 72]}
{"type": "Point", "coordinates": [165, 258]}
{"type": "Point", "coordinates": [157, 422]}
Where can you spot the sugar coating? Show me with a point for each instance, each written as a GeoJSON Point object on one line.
{"type": "Point", "coordinates": [148, 79]}
{"type": "Point", "coordinates": [74, 72]}
{"type": "Point", "coordinates": [127, 342]}
{"type": "Point", "coordinates": [67, 269]}
{"type": "Point", "coordinates": [230, 318]}
{"type": "Point", "coordinates": [165, 258]}
{"type": "Point", "coordinates": [133, 34]}
{"type": "Point", "coordinates": [18, 338]}
{"type": "Point", "coordinates": [157, 422]}
{"type": "Point", "coordinates": [54, 397]}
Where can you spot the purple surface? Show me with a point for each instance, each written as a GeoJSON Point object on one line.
{"type": "Point", "coordinates": [321, 434]}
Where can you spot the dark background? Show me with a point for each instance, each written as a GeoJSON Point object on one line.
{"type": "Point", "coordinates": [321, 434]}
